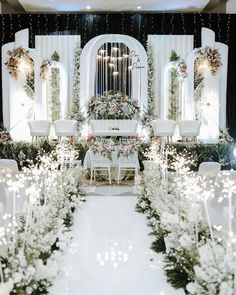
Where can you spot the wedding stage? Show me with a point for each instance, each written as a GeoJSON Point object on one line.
{"type": "Point", "coordinates": [82, 109]}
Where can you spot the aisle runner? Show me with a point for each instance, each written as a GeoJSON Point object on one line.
{"type": "Point", "coordinates": [110, 253]}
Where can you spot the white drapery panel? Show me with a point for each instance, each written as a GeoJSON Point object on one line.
{"type": "Point", "coordinates": [162, 45]}
{"type": "Point", "coordinates": [64, 45]}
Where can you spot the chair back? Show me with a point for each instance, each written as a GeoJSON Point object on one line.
{"type": "Point", "coordinates": [65, 127]}
{"type": "Point", "coordinates": [39, 127]}
{"type": "Point", "coordinates": [131, 159]}
{"type": "Point", "coordinates": [209, 169]}
{"type": "Point", "coordinates": [98, 159]}
{"type": "Point", "coordinates": [189, 128]}
{"type": "Point", "coordinates": [163, 127]}
{"type": "Point", "coordinates": [8, 165]}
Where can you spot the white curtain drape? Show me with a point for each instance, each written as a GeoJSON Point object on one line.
{"type": "Point", "coordinates": [64, 45]}
{"type": "Point", "coordinates": [162, 45]}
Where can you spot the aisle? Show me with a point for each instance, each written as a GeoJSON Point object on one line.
{"type": "Point", "coordinates": [110, 253]}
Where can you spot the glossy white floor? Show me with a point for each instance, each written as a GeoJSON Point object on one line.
{"type": "Point", "coordinates": [110, 252]}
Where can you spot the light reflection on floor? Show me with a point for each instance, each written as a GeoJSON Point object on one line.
{"type": "Point", "coordinates": [110, 253]}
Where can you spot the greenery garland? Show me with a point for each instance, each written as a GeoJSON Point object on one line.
{"type": "Point", "coordinates": [29, 86]}
{"type": "Point", "coordinates": [55, 104]}
{"type": "Point", "coordinates": [76, 113]}
{"type": "Point", "coordinates": [174, 112]}
{"type": "Point", "coordinates": [151, 80]}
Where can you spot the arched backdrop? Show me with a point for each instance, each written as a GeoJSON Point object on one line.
{"type": "Point", "coordinates": [137, 25]}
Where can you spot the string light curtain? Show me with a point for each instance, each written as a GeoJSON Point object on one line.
{"type": "Point", "coordinates": [113, 69]}
{"type": "Point", "coordinates": [137, 25]}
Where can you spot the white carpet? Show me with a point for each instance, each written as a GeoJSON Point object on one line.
{"type": "Point", "coordinates": [110, 253]}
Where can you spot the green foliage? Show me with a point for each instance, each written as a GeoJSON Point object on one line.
{"type": "Point", "coordinates": [198, 78]}
{"type": "Point", "coordinates": [25, 153]}
{"type": "Point", "coordinates": [159, 244]}
{"type": "Point", "coordinates": [151, 70]}
{"type": "Point", "coordinates": [175, 272]}
{"type": "Point", "coordinates": [55, 56]}
{"type": "Point", "coordinates": [29, 85]}
{"type": "Point", "coordinates": [174, 56]}
{"type": "Point", "coordinates": [75, 110]}
{"type": "Point", "coordinates": [222, 153]}
{"type": "Point", "coordinates": [55, 104]}
{"type": "Point", "coordinates": [173, 112]}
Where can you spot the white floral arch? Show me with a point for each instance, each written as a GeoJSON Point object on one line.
{"type": "Point", "coordinates": [88, 67]}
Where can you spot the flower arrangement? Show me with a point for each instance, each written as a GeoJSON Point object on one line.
{"type": "Point", "coordinates": [182, 69]}
{"type": "Point", "coordinates": [224, 137]}
{"type": "Point", "coordinates": [102, 148]}
{"type": "Point", "coordinates": [196, 260]}
{"type": "Point", "coordinates": [151, 78]}
{"type": "Point", "coordinates": [44, 69]}
{"type": "Point", "coordinates": [212, 56]}
{"type": "Point", "coordinates": [42, 234]}
{"type": "Point", "coordinates": [4, 135]}
{"type": "Point", "coordinates": [112, 106]}
{"type": "Point", "coordinates": [127, 149]}
{"type": "Point", "coordinates": [16, 57]}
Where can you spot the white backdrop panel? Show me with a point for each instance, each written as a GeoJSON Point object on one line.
{"type": "Point", "coordinates": [64, 45]}
{"type": "Point", "coordinates": [162, 46]}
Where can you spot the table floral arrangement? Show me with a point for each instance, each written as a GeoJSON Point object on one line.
{"type": "Point", "coordinates": [102, 147]}
{"type": "Point", "coordinates": [4, 135]}
{"type": "Point", "coordinates": [197, 258]}
{"type": "Point", "coordinates": [36, 243]}
{"type": "Point", "coordinates": [112, 105]}
{"type": "Point", "coordinates": [127, 149]}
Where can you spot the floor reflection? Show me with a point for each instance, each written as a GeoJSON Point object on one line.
{"type": "Point", "coordinates": [110, 253]}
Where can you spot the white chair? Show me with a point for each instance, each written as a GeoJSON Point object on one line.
{"type": "Point", "coordinates": [8, 165]}
{"type": "Point", "coordinates": [99, 163]}
{"type": "Point", "coordinates": [128, 163]}
{"type": "Point", "coordinates": [164, 128]}
{"type": "Point", "coordinates": [209, 169]}
{"type": "Point", "coordinates": [65, 128]}
{"type": "Point", "coordinates": [189, 128]}
{"type": "Point", "coordinates": [39, 128]}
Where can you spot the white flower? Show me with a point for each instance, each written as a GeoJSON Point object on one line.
{"type": "Point", "coordinates": [186, 241]}
{"type": "Point", "coordinates": [17, 277]}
